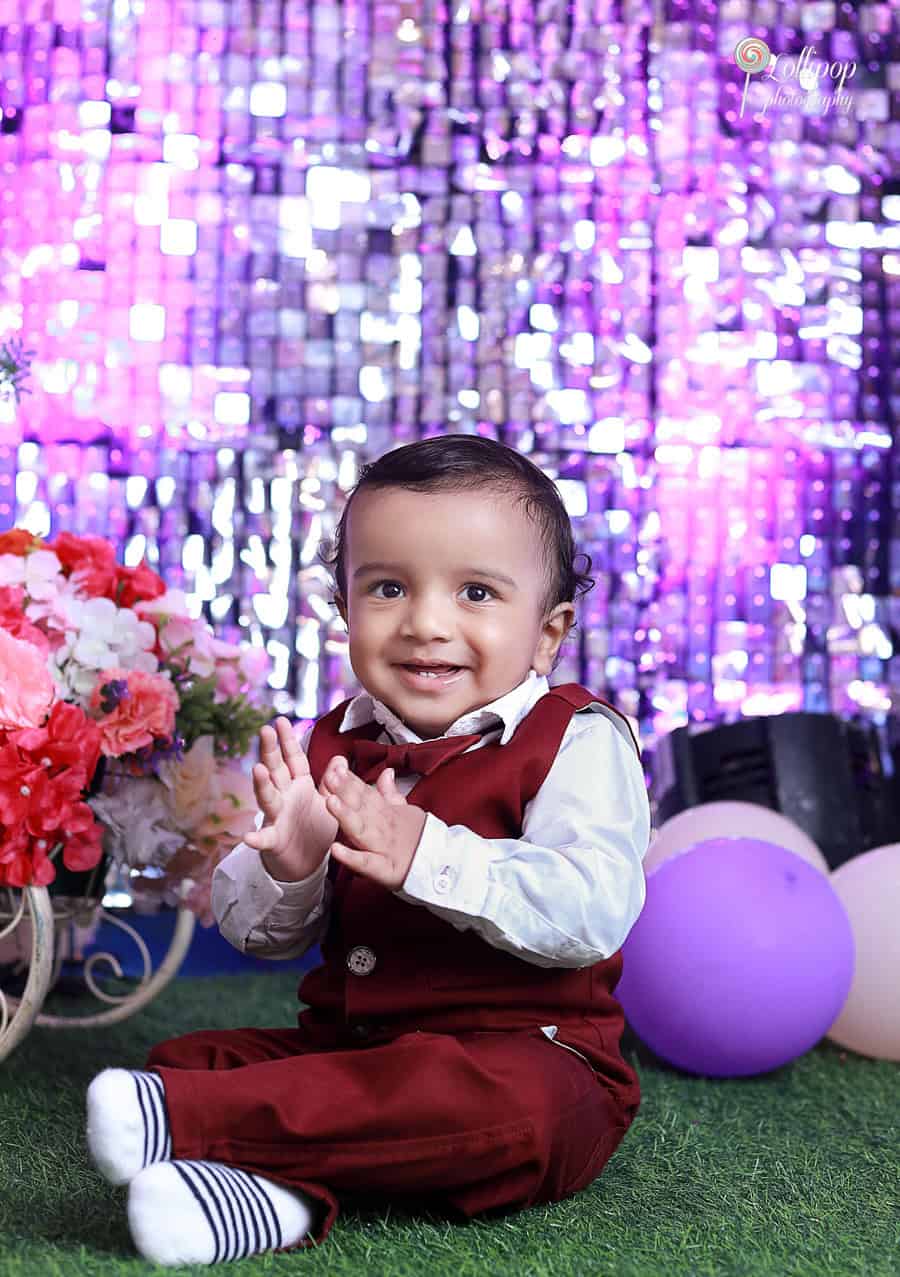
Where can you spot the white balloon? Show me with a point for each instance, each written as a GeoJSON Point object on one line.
{"type": "Point", "coordinates": [868, 887]}
{"type": "Point", "coordinates": [731, 820]}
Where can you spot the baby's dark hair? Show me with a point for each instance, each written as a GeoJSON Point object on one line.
{"type": "Point", "coordinates": [453, 463]}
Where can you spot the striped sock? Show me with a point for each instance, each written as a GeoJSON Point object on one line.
{"type": "Point", "coordinates": [127, 1124]}
{"type": "Point", "coordinates": [205, 1212]}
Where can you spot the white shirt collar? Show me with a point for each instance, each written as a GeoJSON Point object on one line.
{"type": "Point", "coordinates": [509, 709]}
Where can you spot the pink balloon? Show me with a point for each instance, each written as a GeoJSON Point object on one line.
{"type": "Point", "coordinates": [869, 889]}
{"type": "Point", "coordinates": [731, 820]}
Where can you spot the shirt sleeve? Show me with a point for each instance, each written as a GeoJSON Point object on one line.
{"type": "Point", "coordinates": [266, 918]}
{"type": "Point", "coordinates": [569, 890]}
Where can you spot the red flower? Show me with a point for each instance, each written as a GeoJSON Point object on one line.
{"type": "Point", "coordinates": [91, 560]}
{"type": "Point", "coordinates": [14, 620]}
{"type": "Point", "coordinates": [22, 865]}
{"type": "Point", "coordinates": [16, 780]}
{"type": "Point", "coordinates": [137, 585]}
{"type": "Point", "coordinates": [83, 844]}
{"type": "Point", "coordinates": [25, 856]}
{"type": "Point", "coordinates": [44, 772]}
{"type": "Point", "coordinates": [68, 739]}
{"type": "Point", "coordinates": [52, 799]}
{"type": "Point", "coordinates": [18, 541]}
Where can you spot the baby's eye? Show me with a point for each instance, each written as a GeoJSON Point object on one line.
{"type": "Point", "coordinates": [396, 585]}
{"type": "Point", "coordinates": [374, 587]}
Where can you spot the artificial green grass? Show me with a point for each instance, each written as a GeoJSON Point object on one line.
{"type": "Point", "coordinates": [797, 1172]}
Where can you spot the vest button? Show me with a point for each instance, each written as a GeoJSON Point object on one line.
{"type": "Point", "coordinates": [361, 960]}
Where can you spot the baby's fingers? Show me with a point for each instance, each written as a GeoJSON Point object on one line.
{"type": "Point", "coordinates": [271, 756]}
{"type": "Point", "coordinates": [267, 796]}
{"type": "Point", "coordinates": [387, 787]}
{"type": "Point", "coordinates": [265, 839]}
{"type": "Point", "coordinates": [293, 755]}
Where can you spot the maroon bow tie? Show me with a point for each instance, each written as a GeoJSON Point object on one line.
{"type": "Point", "coordinates": [370, 758]}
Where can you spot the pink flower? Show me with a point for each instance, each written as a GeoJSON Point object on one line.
{"type": "Point", "coordinates": [14, 620]}
{"type": "Point", "coordinates": [50, 615]}
{"type": "Point", "coordinates": [211, 798]}
{"type": "Point", "coordinates": [26, 689]}
{"type": "Point", "coordinates": [191, 642]}
{"type": "Point", "coordinates": [160, 609]}
{"type": "Point", "coordinates": [144, 710]}
{"type": "Point", "coordinates": [240, 670]}
{"type": "Point", "coordinates": [255, 664]}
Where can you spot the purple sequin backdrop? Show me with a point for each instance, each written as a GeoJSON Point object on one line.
{"type": "Point", "coordinates": [256, 244]}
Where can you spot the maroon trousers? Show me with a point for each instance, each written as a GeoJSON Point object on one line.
{"type": "Point", "coordinates": [476, 1120]}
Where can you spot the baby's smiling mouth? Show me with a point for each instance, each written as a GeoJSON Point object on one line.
{"type": "Point", "coordinates": [428, 673]}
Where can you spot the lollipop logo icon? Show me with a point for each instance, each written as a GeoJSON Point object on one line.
{"type": "Point", "coordinates": [751, 55]}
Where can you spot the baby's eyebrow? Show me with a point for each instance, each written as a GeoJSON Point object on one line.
{"type": "Point", "coordinates": [494, 575]}
{"type": "Point", "coordinates": [396, 567]}
{"type": "Point", "coordinates": [376, 567]}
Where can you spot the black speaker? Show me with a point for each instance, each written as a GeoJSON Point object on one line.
{"type": "Point", "coordinates": [825, 774]}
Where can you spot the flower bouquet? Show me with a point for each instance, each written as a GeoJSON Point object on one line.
{"type": "Point", "coordinates": [123, 723]}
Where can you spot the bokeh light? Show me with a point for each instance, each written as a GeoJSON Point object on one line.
{"type": "Point", "coordinates": [254, 245]}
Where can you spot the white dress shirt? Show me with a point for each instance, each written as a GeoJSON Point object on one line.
{"type": "Point", "coordinates": [564, 894]}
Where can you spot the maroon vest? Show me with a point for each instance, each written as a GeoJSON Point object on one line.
{"type": "Point", "coordinates": [427, 974]}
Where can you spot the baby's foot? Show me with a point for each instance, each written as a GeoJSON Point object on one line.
{"type": "Point", "coordinates": [127, 1124]}
{"type": "Point", "coordinates": [204, 1212]}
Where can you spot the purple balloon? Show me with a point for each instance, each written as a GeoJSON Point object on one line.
{"type": "Point", "coordinates": [741, 960]}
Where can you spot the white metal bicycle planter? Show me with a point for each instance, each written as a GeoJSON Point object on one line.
{"type": "Point", "coordinates": [39, 921]}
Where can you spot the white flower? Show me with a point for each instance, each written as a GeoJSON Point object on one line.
{"type": "Point", "coordinates": [100, 636]}
{"type": "Point", "coordinates": [137, 823]}
{"type": "Point", "coordinates": [75, 683]}
{"type": "Point", "coordinates": [39, 572]}
{"type": "Point", "coordinates": [172, 603]}
{"type": "Point", "coordinates": [50, 612]}
{"type": "Point", "coordinates": [12, 569]}
{"type": "Point", "coordinates": [46, 588]}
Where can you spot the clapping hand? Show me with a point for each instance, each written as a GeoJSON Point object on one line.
{"type": "Point", "coordinates": [297, 827]}
{"type": "Point", "coordinates": [383, 828]}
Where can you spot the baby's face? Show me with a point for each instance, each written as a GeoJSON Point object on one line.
{"type": "Point", "coordinates": [456, 578]}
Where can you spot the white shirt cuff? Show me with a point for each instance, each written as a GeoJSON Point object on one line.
{"type": "Point", "coordinates": [244, 895]}
{"type": "Point", "coordinates": [435, 875]}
